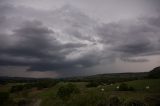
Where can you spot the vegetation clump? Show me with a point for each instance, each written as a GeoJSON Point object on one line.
{"type": "Point", "coordinates": [134, 102]}
{"type": "Point", "coordinates": [65, 91]}
{"type": "Point", "coordinates": [39, 85]}
{"type": "Point", "coordinates": [92, 84]}
{"type": "Point", "coordinates": [114, 101]}
{"type": "Point", "coordinates": [4, 97]}
{"type": "Point", "coordinates": [153, 100]}
{"type": "Point", "coordinates": [125, 87]}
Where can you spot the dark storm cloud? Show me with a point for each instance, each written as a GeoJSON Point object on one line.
{"type": "Point", "coordinates": [69, 66]}
{"type": "Point", "coordinates": [155, 21]}
{"type": "Point", "coordinates": [134, 48]}
{"type": "Point", "coordinates": [65, 39]}
{"type": "Point", "coordinates": [36, 46]}
{"type": "Point", "coordinates": [31, 40]}
{"type": "Point", "coordinates": [132, 38]}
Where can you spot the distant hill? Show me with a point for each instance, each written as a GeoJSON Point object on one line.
{"type": "Point", "coordinates": [6, 79]}
{"type": "Point", "coordinates": [155, 73]}
{"type": "Point", "coordinates": [122, 75]}
{"type": "Point", "coordinates": [108, 78]}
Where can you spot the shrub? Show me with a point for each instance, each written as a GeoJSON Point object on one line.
{"type": "Point", "coordinates": [92, 84]}
{"type": "Point", "coordinates": [17, 88]}
{"type": "Point", "coordinates": [90, 98]}
{"type": "Point", "coordinates": [39, 85]}
{"type": "Point", "coordinates": [134, 102]}
{"type": "Point", "coordinates": [131, 89]}
{"type": "Point", "coordinates": [45, 84]}
{"type": "Point", "coordinates": [153, 100]}
{"type": "Point", "coordinates": [114, 101]}
{"type": "Point", "coordinates": [22, 102]}
{"type": "Point", "coordinates": [65, 91]}
{"type": "Point", "coordinates": [4, 97]}
{"type": "Point", "coordinates": [125, 87]}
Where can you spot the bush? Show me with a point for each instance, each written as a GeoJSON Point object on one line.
{"type": "Point", "coordinates": [153, 100]}
{"type": "Point", "coordinates": [131, 89]}
{"type": "Point", "coordinates": [23, 102]}
{"type": "Point", "coordinates": [45, 84]}
{"type": "Point", "coordinates": [65, 91]}
{"type": "Point", "coordinates": [125, 87]}
{"type": "Point", "coordinates": [4, 97]}
{"type": "Point", "coordinates": [134, 102]}
{"type": "Point", "coordinates": [90, 98]}
{"type": "Point", "coordinates": [92, 84]}
{"type": "Point", "coordinates": [39, 85]}
{"type": "Point", "coordinates": [17, 88]}
{"type": "Point", "coordinates": [114, 101]}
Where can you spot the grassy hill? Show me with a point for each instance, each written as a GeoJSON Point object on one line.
{"type": "Point", "coordinates": [108, 78]}
{"type": "Point", "coordinates": [104, 90]}
{"type": "Point", "coordinates": [91, 96]}
{"type": "Point", "coordinates": [49, 97]}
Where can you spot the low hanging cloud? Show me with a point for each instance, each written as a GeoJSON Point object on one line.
{"type": "Point", "coordinates": [66, 40]}
{"type": "Point", "coordinates": [35, 45]}
{"type": "Point", "coordinates": [132, 38]}
{"type": "Point", "coordinates": [41, 47]}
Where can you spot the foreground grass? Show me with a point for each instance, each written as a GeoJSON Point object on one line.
{"type": "Point", "coordinates": [90, 96]}
{"type": "Point", "coordinates": [49, 97]}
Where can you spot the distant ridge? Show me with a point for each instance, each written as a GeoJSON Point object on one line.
{"type": "Point", "coordinates": [155, 73]}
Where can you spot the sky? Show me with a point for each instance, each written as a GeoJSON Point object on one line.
{"type": "Point", "coordinates": [64, 38]}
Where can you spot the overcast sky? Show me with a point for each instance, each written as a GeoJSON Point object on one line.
{"type": "Point", "coordinates": [61, 38]}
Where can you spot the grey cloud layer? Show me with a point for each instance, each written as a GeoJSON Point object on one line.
{"type": "Point", "coordinates": [43, 46]}
{"type": "Point", "coordinates": [133, 38]}
{"type": "Point", "coordinates": [66, 39]}
{"type": "Point", "coordinates": [35, 45]}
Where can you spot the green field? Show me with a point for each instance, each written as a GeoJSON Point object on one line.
{"type": "Point", "coordinates": [89, 96]}
{"type": "Point", "coordinates": [48, 96]}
